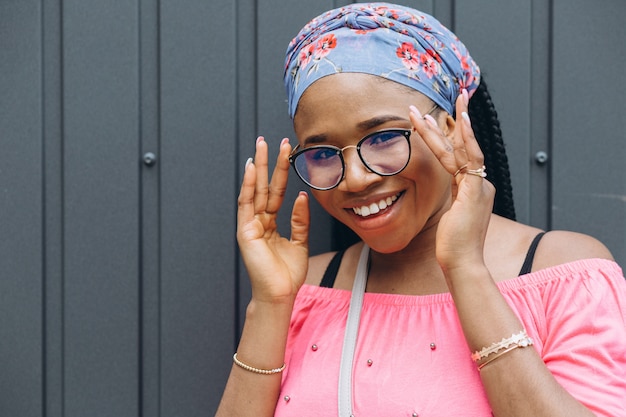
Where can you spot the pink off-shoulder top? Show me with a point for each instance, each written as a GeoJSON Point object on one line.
{"type": "Point", "coordinates": [412, 359]}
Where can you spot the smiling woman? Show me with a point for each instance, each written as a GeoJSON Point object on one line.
{"type": "Point", "coordinates": [443, 307]}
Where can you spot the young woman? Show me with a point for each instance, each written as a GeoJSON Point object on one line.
{"type": "Point", "coordinates": [443, 308]}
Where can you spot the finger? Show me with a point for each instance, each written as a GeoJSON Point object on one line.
{"type": "Point", "coordinates": [245, 201]}
{"type": "Point", "coordinates": [300, 220]}
{"type": "Point", "coordinates": [278, 184]}
{"type": "Point", "coordinates": [475, 157]}
{"type": "Point", "coordinates": [458, 143]}
{"type": "Point", "coordinates": [261, 187]}
{"type": "Point", "coordinates": [434, 138]}
{"type": "Point", "coordinates": [471, 150]}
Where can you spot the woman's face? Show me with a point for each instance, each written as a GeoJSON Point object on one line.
{"type": "Point", "coordinates": [341, 109]}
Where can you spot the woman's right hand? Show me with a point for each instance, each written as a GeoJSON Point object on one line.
{"type": "Point", "coordinates": [277, 266]}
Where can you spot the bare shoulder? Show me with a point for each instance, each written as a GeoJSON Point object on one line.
{"type": "Point", "coordinates": [508, 244]}
{"type": "Point", "coordinates": [559, 247]}
{"type": "Point", "coordinates": [319, 263]}
{"type": "Point", "coordinates": [317, 267]}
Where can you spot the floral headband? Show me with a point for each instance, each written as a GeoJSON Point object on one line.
{"type": "Point", "coordinates": [394, 42]}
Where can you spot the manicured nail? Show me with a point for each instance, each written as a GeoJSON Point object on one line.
{"type": "Point", "coordinates": [465, 96]}
{"type": "Point", "coordinates": [248, 162]}
{"type": "Point", "coordinates": [285, 140]}
{"type": "Point", "coordinates": [260, 139]}
{"type": "Point", "coordinates": [466, 117]}
{"type": "Point", "coordinates": [415, 111]}
{"type": "Point", "coordinates": [430, 119]}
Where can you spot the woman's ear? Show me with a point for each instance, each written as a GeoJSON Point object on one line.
{"type": "Point", "coordinates": [450, 125]}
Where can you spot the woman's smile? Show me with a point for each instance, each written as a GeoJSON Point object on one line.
{"type": "Point", "coordinates": [376, 207]}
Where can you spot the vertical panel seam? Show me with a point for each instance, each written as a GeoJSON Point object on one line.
{"type": "Point", "coordinates": [550, 115]}
{"type": "Point", "coordinates": [140, 239]}
{"type": "Point", "coordinates": [44, 234]}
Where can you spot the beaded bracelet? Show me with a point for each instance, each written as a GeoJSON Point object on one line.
{"type": "Point", "coordinates": [519, 340]}
{"type": "Point", "coordinates": [257, 370]}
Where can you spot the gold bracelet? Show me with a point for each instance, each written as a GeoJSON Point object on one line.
{"type": "Point", "coordinates": [482, 365]}
{"type": "Point", "coordinates": [257, 370]}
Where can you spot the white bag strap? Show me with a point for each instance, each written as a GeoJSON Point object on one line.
{"type": "Point", "coordinates": [351, 334]}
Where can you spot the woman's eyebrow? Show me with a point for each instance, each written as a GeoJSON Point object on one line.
{"type": "Point", "coordinates": [364, 125]}
{"type": "Point", "coordinates": [315, 139]}
{"type": "Point", "coordinates": [379, 120]}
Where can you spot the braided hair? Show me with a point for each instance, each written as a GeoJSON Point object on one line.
{"type": "Point", "coordinates": [486, 128]}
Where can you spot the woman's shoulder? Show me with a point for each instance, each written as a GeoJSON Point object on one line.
{"type": "Point", "coordinates": [317, 267]}
{"type": "Point", "coordinates": [510, 244]}
{"type": "Point", "coordinates": [319, 263]}
{"type": "Point", "coordinates": [559, 247]}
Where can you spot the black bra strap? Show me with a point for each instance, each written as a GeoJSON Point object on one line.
{"type": "Point", "coordinates": [530, 255]}
{"type": "Point", "coordinates": [328, 281]}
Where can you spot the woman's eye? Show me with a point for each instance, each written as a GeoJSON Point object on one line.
{"type": "Point", "coordinates": [383, 138]}
{"type": "Point", "coordinates": [321, 154]}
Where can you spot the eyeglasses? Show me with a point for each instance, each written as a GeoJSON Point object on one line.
{"type": "Point", "coordinates": [385, 152]}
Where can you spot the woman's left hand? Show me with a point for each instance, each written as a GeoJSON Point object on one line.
{"type": "Point", "coordinates": [461, 231]}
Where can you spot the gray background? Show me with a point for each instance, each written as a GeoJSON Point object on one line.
{"type": "Point", "coordinates": [121, 292]}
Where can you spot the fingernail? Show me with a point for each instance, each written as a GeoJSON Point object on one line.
{"type": "Point", "coordinates": [260, 139]}
{"type": "Point", "coordinates": [465, 96]}
{"type": "Point", "coordinates": [430, 119]}
{"type": "Point", "coordinates": [415, 111]}
{"type": "Point", "coordinates": [466, 117]}
{"type": "Point", "coordinates": [248, 162]}
{"type": "Point", "coordinates": [285, 140]}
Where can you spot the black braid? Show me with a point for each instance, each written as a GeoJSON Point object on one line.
{"type": "Point", "coordinates": [487, 130]}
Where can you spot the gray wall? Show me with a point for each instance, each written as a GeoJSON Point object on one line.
{"type": "Point", "coordinates": [121, 292]}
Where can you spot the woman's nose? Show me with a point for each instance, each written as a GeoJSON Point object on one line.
{"type": "Point", "coordinates": [356, 176]}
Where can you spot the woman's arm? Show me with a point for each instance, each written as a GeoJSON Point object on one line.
{"type": "Point", "coordinates": [518, 383]}
{"type": "Point", "coordinates": [277, 268]}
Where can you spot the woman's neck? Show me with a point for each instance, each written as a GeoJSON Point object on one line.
{"type": "Point", "coordinates": [412, 271]}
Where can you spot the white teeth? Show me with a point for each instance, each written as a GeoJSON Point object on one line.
{"type": "Point", "coordinates": [374, 208]}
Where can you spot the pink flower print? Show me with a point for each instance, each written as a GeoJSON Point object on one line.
{"type": "Point", "coordinates": [324, 46]}
{"type": "Point", "coordinates": [429, 65]}
{"type": "Point", "coordinates": [434, 55]}
{"type": "Point", "coordinates": [409, 56]}
{"type": "Point", "coordinates": [467, 81]}
{"type": "Point", "coordinates": [464, 64]}
{"type": "Point", "coordinates": [393, 13]}
{"type": "Point", "coordinates": [305, 55]}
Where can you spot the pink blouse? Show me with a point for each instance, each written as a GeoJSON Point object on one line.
{"type": "Point", "coordinates": [412, 359]}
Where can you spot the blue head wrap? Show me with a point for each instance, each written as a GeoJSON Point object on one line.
{"type": "Point", "coordinates": [394, 42]}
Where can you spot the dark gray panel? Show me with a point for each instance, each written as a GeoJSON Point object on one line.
{"type": "Point", "coordinates": [501, 45]}
{"type": "Point", "coordinates": [588, 120]}
{"type": "Point", "coordinates": [198, 202]}
{"type": "Point", "coordinates": [53, 201]}
{"type": "Point", "coordinates": [150, 210]}
{"type": "Point", "coordinates": [21, 207]}
{"type": "Point", "coordinates": [101, 211]}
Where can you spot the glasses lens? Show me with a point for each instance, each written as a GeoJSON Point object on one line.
{"type": "Point", "coordinates": [387, 152]}
{"type": "Point", "coordinates": [320, 167]}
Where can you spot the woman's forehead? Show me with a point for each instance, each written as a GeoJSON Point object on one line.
{"type": "Point", "coordinates": [357, 95]}
{"type": "Point", "coordinates": [354, 104]}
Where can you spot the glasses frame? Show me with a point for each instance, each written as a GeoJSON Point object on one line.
{"type": "Point", "coordinates": [295, 153]}
{"type": "Point", "coordinates": [405, 132]}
